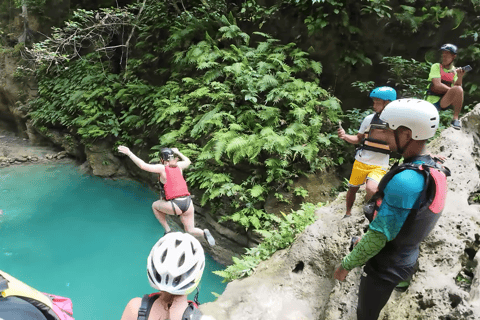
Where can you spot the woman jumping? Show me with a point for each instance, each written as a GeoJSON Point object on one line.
{"type": "Point", "coordinates": [177, 198]}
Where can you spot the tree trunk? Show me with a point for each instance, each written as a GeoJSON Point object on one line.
{"type": "Point", "coordinates": [23, 38]}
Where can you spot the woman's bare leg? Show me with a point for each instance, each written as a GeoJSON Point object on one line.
{"type": "Point", "coordinates": [188, 221]}
{"type": "Point", "coordinates": [454, 96]}
{"type": "Point", "coordinates": [160, 209]}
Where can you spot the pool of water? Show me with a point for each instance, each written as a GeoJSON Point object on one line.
{"type": "Point", "coordinates": [82, 237]}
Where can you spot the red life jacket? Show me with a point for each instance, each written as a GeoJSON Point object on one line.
{"type": "Point", "coordinates": [446, 78]}
{"type": "Point", "coordinates": [176, 185]}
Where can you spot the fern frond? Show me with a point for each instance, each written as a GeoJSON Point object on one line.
{"type": "Point", "coordinates": [200, 125]}
{"type": "Point", "coordinates": [262, 34]}
{"type": "Point", "coordinates": [267, 81]}
{"type": "Point", "coordinates": [236, 68]}
{"type": "Point", "coordinates": [236, 147]}
{"type": "Point", "coordinates": [316, 67]}
{"type": "Point", "coordinates": [270, 115]}
{"type": "Point", "coordinates": [263, 47]}
{"type": "Point", "coordinates": [297, 112]}
{"type": "Point", "coordinates": [257, 190]}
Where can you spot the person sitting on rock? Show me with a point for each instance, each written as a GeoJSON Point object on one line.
{"type": "Point", "coordinates": [445, 88]}
{"type": "Point", "coordinates": [390, 247]}
{"type": "Point", "coordinates": [371, 159]}
{"type": "Point", "coordinates": [177, 198]}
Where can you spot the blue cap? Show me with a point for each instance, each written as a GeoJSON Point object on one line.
{"type": "Point", "coordinates": [449, 47]}
{"type": "Point", "coordinates": [384, 93]}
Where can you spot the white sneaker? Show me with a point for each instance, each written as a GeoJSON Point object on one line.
{"type": "Point", "coordinates": [208, 237]}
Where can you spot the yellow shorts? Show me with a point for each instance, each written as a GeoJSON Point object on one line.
{"type": "Point", "coordinates": [361, 172]}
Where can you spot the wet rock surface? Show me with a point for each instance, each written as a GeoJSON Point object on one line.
{"type": "Point", "coordinates": [15, 150]}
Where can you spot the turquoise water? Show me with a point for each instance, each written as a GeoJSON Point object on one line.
{"type": "Point", "coordinates": [82, 237]}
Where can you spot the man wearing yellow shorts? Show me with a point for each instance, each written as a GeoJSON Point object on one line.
{"type": "Point", "coordinates": [371, 159]}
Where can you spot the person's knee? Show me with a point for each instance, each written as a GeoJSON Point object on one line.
{"type": "Point", "coordinates": [157, 207]}
{"type": "Point", "coordinates": [353, 189]}
{"type": "Point", "coordinates": [372, 186]}
{"type": "Point", "coordinates": [457, 91]}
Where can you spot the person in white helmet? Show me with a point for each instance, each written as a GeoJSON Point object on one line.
{"type": "Point", "coordinates": [404, 212]}
{"type": "Point", "coordinates": [174, 268]}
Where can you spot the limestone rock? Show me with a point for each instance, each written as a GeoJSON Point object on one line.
{"type": "Point", "coordinates": [297, 283]}
{"type": "Point", "coordinates": [21, 159]}
{"type": "Point", "coordinates": [102, 161]}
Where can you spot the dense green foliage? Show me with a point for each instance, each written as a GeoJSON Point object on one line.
{"type": "Point", "coordinates": [288, 226]}
{"type": "Point", "coordinates": [245, 90]}
{"type": "Point", "coordinates": [251, 116]}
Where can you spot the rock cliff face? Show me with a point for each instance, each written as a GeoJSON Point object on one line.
{"type": "Point", "coordinates": [297, 283]}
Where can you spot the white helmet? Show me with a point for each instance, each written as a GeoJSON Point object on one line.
{"type": "Point", "coordinates": [419, 116]}
{"type": "Point", "coordinates": [176, 263]}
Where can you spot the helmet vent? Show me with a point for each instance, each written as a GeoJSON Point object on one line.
{"type": "Point", "coordinates": [150, 277]}
{"type": "Point", "coordinates": [187, 274]}
{"type": "Point", "coordinates": [164, 256]}
{"type": "Point", "coordinates": [193, 249]}
{"type": "Point", "coordinates": [188, 285]}
{"type": "Point", "coordinates": [167, 278]}
{"type": "Point", "coordinates": [181, 261]}
{"type": "Point", "coordinates": [158, 277]}
{"type": "Point", "coordinates": [177, 243]}
{"type": "Point", "coordinates": [434, 118]}
{"type": "Point", "coordinates": [176, 281]}
{"type": "Point", "coordinates": [432, 126]}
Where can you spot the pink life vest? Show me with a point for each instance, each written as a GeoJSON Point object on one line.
{"type": "Point", "coordinates": [446, 77]}
{"type": "Point", "coordinates": [61, 306]}
{"type": "Point", "coordinates": [176, 185]}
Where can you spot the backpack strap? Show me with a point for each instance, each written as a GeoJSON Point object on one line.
{"type": "Point", "coordinates": [370, 209]}
{"type": "Point", "coordinates": [192, 312]}
{"type": "Point", "coordinates": [146, 306]}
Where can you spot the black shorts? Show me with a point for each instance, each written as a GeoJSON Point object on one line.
{"type": "Point", "coordinates": [437, 105]}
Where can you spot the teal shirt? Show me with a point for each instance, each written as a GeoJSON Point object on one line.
{"type": "Point", "coordinates": [401, 195]}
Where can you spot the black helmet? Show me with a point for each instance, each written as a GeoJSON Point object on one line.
{"type": "Point", "coordinates": [449, 47]}
{"type": "Point", "coordinates": [167, 154]}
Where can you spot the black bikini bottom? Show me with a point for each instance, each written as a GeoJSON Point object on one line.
{"type": "Point", "coordinates": [182, 203]}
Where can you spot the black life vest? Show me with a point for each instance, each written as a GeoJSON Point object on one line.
{"type": "Point", "coordinates": [433, 195]}
{"type": "Point", "coordinates": [372, 144]}
{"type": "Point", "coordinates": [190, 313]}
{"type": "Point", "coordinates": [396, 261]}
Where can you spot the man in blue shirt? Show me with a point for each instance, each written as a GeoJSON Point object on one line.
{"type": "Point", "coordinates": [390, 247]}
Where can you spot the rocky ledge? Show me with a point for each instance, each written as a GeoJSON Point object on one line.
{"type": "Point", "coordinates": [297, 283]}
